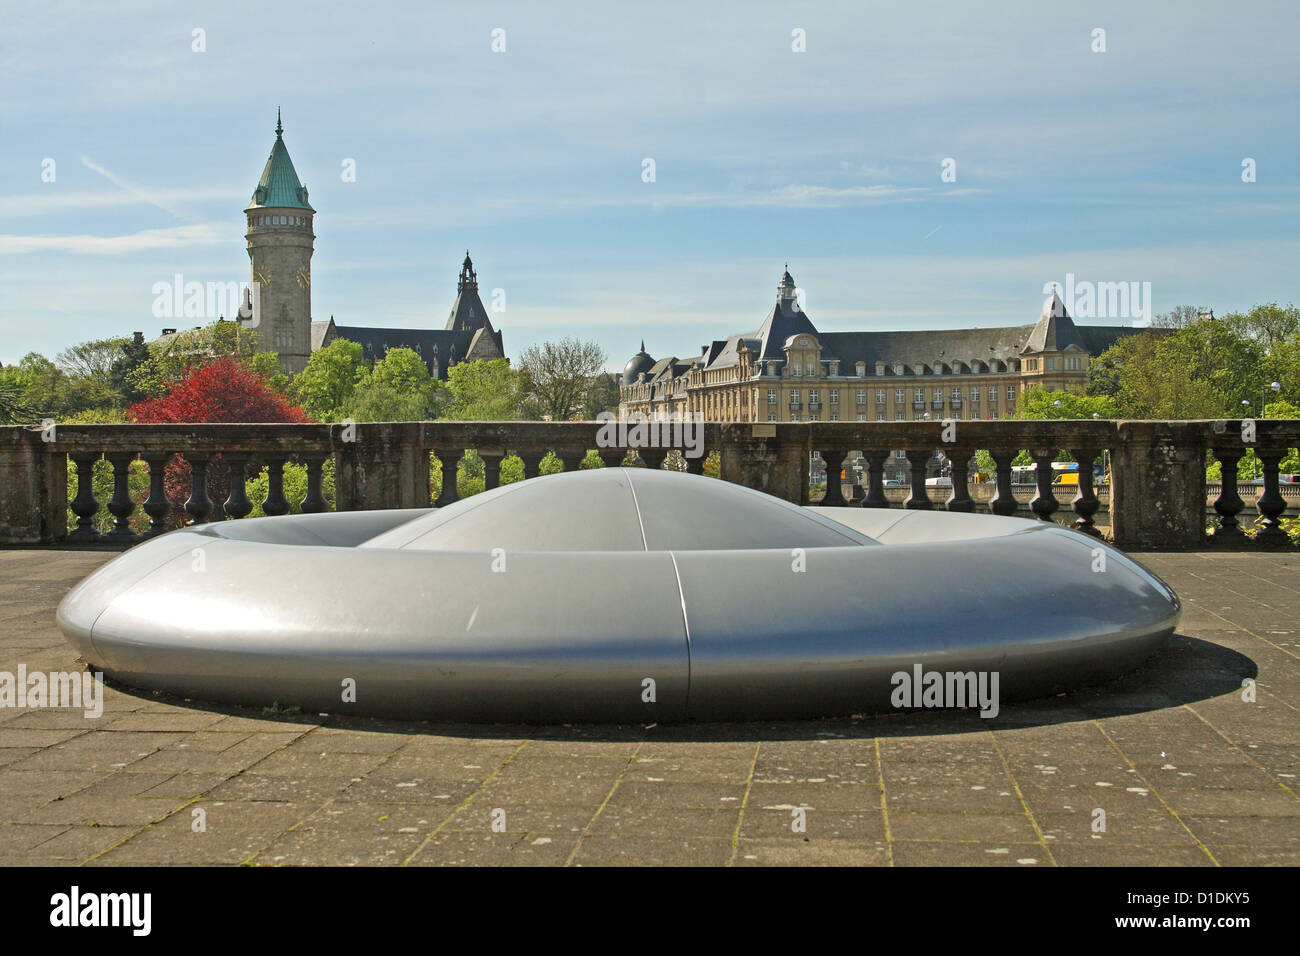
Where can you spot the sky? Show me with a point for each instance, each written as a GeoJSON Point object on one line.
{"type": "Point", "coordinates": [132, 135]}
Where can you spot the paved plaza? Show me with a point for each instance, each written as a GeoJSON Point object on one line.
{"type": "Point", "coordinates": [1186, 772]}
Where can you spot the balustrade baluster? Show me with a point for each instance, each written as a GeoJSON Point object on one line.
{"type": "Point", "coordinates": [960, 499]}
{"type": "Point", "coordinates": [1229, 504]}
{"type": "Point", "coordinates": [491, 468]}
{"type": "Point", "coordinates": [157, 505]}
{"type": "Point", "coordinates": [1044, 504]}
{"type": "Point", "coordinates": [834, 464]}
{"type": "Point", "coordinates": [121, 506]}
{"type": "Point", "coordinates": [532, 463]}
{"type": "Point", "coordinates": [1004, 503]}
{"type": "Point", "coordinates": [448, 492]}
{"type": "Point", "coordinates": [198, 506]}
{"type": "Point", "coordinates": [237, 504]}
{"type": "Point", "coordinates": [918, 462]}
{"type": "Point", "coordinates": [315, 502]}
{"type": "Point", "coordinates": [1271, 504]}
{"type": "Point", "coordinates": [276, 503]}
{"type": "Point", "coordinates": [1086, 502]}
{"type": "Point", "coordinates": [85, 506]}
{"type": "Point", "coordinates": [875, 497]}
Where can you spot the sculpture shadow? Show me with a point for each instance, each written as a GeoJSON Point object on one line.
{"type": "Point", "coordinates": [1186, 671]}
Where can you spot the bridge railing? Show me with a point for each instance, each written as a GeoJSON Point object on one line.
{"type": "Point", "coordinates": [1157, 488]}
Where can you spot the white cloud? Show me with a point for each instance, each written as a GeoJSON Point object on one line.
{"type": "Point", "coordinates": [144, 240]}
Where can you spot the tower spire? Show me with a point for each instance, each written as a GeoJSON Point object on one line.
{"type": "Point", "coordinates": [279, 127]}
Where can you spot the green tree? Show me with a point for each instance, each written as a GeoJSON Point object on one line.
{"type": "Point", "coordinates": [1037, 403]}
{"type": "Point", "coordinates": [398, 388]}
{"type": "Point", "coordinates": [134, 354]}
{"type": "Point", "coordinates": [558, 377]}
{"type": "Point", "coordinates": [487, 391]}
{"type": "Point", "coordinates": [325, 387]}
{"type": "Point", "coordinates": [267, 365]}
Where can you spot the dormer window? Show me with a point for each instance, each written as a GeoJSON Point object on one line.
{"type": "Point", "coordinates": [862, 369]}
{"type": "Point", "coordinates": [898, 369]}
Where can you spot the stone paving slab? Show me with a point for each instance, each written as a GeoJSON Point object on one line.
{"type": "Point", "coordinates": [1186, 771]}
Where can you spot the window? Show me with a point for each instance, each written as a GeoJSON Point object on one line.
{"type": "Point", "coordinates": [938, 394]}
{"type": "Point", "coordinates": [771, 416]}
{"type": "Point", "coordinates": [898, 396]}
{"type": "Point", "coordinates": [898, 369]}
{"type": "Point", "coordinates": [794, 398]}
{"type": "Point", "coordinates": [862, 396]}
{"type": "Point", "coordinates": [1011, 393]}
{"type": "Point", "coordinates": [974, 393]}
{"type": "Point", "coordinates": [880, 396]}
{"type": "Point", "coordinates": [835, 416]}
{"type": "Point", "coordinates": [1074, 365]}
{"type": "Point", "coordinates": [835, 396]}
{"type": "Point", "coordinates": [898, 416]}
{"type": "Point", "coordinates": [794, 416]}
{"type": "Point", "coordinates": [862, 416]}
{"type": "Point", "coordinates": [918, 394]}
{"type": "Point", "coordinates": [796, 369]}
{"type": "Point", "coordinates": [814, 417]}
{"type": "Point", "coordinates": [771, 396]}
{"type": "Point", "coordinates": [993, 416]}
{"type": "Point", "coordinates": [862, 369]}
{"type": "Point", "coordinates": [956, 393]}
{"type": "Point", "coordinates": [1051, 364]}
{"type": "Point", "coordinates": [880, 417]}
{"type": "Point", "coordinates": [993, 394]}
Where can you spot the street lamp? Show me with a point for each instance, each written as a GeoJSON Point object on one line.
{"type": "Point", "coordinates": [1263, 405]}
{"type": "Point", "coordinates": [1254, 467]}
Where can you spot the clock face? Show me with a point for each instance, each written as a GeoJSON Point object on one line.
{"type": "Point", "coordinates": [264, 277]}
{"type": "Point", "coordinates": [304, 278]}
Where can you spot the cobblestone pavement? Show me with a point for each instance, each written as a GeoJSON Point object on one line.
{"type": "Point", "coordinates": [1186, 771]}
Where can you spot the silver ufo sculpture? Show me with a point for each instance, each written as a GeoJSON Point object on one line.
{"type": "Point", "coordinates": [614, 595]}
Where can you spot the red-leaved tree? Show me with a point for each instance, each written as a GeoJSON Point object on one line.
{"type": "Point", "coordinates": [220, 391]}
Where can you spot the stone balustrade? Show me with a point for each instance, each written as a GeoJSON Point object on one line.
{"type": "Point", "coordinates": [1157, 494]}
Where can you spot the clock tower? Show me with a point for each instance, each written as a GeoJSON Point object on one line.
{"type": "Point", "coordinates": [280, 244]}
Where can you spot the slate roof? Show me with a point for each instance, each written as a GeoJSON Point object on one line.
{"type": "Point", "coordinates": [427, 343]}
{"type": "Point", "coordinates": [279, 186]}
{"type": "Point", "coordinates": [1055, 331]}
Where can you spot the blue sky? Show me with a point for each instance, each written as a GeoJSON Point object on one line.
{"type": "Point", "coordinates": [1115, 166]}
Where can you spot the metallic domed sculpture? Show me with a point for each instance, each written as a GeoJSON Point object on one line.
{"type": "Point", "coordinates": [614, 595]}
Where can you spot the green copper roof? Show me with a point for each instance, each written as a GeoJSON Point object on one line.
{"type": "Point", "coordinates": [279, 186]}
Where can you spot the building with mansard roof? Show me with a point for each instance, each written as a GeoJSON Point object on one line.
{"type": "Point", "coordinates": [787, 370]}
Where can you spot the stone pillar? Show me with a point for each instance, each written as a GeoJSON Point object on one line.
{"type": "Point", "coordinates": [33, 486]}
{"type": "Point", "coordinates": [1158, 486]}
{"type": "Point", "coordinates": [767, 457]}
{"type": "Point", "coordinates": [386, 466]}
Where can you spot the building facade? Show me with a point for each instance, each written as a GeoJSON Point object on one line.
{"type": "Point", "coordinates": [789, 371]}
